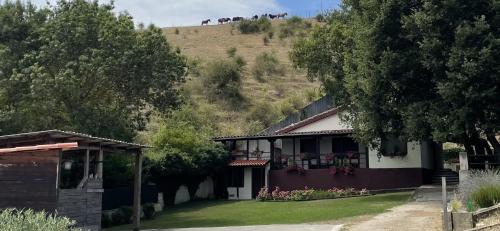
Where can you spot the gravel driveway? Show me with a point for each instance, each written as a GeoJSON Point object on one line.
{"type": "Point", "coordinates": [299, 227]}
{"type": "Point", "coordinates": [410, 216]}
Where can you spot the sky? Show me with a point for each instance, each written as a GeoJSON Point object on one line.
{"type": "Point", "coordinates": [170, 13]}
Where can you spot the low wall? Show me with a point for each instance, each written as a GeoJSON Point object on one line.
{"type": "Point", "coordinates": [372, 179]}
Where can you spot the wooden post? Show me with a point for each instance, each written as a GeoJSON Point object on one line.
{"type": "Point", "coordinates": [464, 167]}
{"type": "Point", "coordinates": [318, 151]}
{"type": "Point", "coordinates": [446, 222]}
{"type": "Point", "coordinates": [248, 149]}
{"type": "Point", "coordinates": [87, 164]}
{"type": "Point", "coordinates": [100, 159]}
{"type": "Point", "coordinates": [294, 152]}
{"type": "Point", "coordinates": [137, 191]}
{"type": "Point", "coordinates": [271, 152]}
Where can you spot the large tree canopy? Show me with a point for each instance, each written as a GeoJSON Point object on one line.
{"type": "Point", "coordinates": [415, 69]}
{"type": "Point", "coordinates": [79, 66]}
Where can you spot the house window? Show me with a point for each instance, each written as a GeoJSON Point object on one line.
{"type": "Point", "coordinates": [393, 146]}
{"type": "Point", "coordinates": [307, 146]}
{"type": "Point", "coordinates": [343, 145]}
{"type": "Point", "coordinates": [241, 145]}
{"type": "Point", "coordinates": [235, 177]}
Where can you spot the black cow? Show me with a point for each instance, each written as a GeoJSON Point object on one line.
{"type": "Point", "coordinates": [255, 17]}
{"type": "Point", "coordinates": [205, 22]}
{"type": "Point", "coordinates": [273, 16]}
{"type": "Point", "coordinates": [235, 19]}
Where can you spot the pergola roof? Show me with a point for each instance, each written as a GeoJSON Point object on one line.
{"type": "Point", "coordinates": [285, 135]}
{"type": "Point", "coordinates": [67, 136]}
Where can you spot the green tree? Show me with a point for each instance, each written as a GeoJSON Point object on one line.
{"type": "Point", "coordinates": [78, 66]}
{"type": "Point", "coordinates": [184, 153]}
{"type": "Point", "coordinates": [222, 80]}
{"type": "Point", "coordinates": [414, 69]}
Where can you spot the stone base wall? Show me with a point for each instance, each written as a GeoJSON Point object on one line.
{"type": "Point", "coordinates": [82, 205]}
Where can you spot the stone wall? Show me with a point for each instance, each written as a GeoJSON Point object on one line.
{"type": "Point", "coordinates": [82, 205]}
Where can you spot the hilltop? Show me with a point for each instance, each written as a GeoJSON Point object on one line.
{"type": "Point", "coordinates": [206, 43]}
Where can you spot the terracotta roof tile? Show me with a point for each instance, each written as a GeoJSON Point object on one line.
{"type": "Point", "coordinates": [248, 163]}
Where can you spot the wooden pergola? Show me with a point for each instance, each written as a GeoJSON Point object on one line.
{"type": "Point", "coordinates": [36, 145]}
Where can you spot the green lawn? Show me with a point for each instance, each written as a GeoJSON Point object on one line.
{"type": "Point", "coordinates": [230, 213]}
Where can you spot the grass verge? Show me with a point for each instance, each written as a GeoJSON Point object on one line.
{"type": "Point", "coordinates": [234, 213]}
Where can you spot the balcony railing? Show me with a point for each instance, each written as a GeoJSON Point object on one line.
{"type": "Point", "coordinates": [315, 161]}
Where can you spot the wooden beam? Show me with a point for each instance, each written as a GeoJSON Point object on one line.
{"type": "Point", "coordinates": [137, 191]}
{"type": "Point", "coordinates": [100, 158]}
{"type": "Point", "coordinates": [87, 164]}
{"type": "Point", "coordinates": [272, 144]}
{"type": "Point", "coordinates": [248, 149]}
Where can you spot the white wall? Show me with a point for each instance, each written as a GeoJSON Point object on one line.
{"type": "Point", "coordinates": [245, 193]}
{"type": "Point", "coordinates": [330, 123]}
{"type": "Point", "coordinates": [412, 160]}
{"type": "Point", "coordinates": [182, 195]}
{"type": "Point", "coordinates": [427, 155]}
{"type": "Point", "coordinates": [205, 189]}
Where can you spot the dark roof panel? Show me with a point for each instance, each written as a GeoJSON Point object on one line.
{"type": "Point", "coordinates": [73, 136]}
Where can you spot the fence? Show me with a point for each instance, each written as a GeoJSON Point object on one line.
{"type": "Point", "coordinates": [316, 107]}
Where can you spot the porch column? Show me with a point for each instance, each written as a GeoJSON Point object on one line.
{"type": "Point", "coordinates": [87, 164]}
{"type": "Point", "coordinates": [271, 152]}
{"type": "Point", "coordinates": [100, 158]}
{"type": "Point", "coordinates": [294, 152]}
{"type": "Point", "coordinates": [318, 150]}
{"type": "Point", "coordinates": [137, 191]}
{"type": "Point", "coordinates": [248, 149]}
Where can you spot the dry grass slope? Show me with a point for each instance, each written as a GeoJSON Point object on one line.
{"type": "Point", "coordinates": [211, 42]}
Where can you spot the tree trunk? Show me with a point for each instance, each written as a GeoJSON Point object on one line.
{"type": "Point", "coordinates": [494, 143]}
{"type": "Point", "coordinates": [468, 146]}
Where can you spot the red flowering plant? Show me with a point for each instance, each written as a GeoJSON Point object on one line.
{"type": "Point", "coordinates": [308, 194]}
{"type": "Point", "coordinates": [264, 194]}
{"type": "Point", "coordinates": [348, 170]}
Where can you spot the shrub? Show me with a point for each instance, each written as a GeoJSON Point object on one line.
{"type": "Point", "coordinates": [106, 221]}
{"type": "Point", "coordinates": [231, 52]}
{"type": "Point", "coordinates": [308, 194]}
{"type": "Point", "coordinates": [251, 26]}
{"type": "Point", "coordinates": [13, 219]}
{"type": "Point", "coordinates": [267, 65]}
{"type": "Point", "coordinates": [475, 180]}
{"type": "Point", "coordinates": [176, 30]}
{"type": "Point", "coordinates": [486, 196]}
{"type": "Point", "coordinates": [265, 40]}
{"type": "Point", "coordinates": [222, 80]}
{"type": "Point", "coordinates": [123, 215]}
{"type": "Point", "coordinates": [270, 34]}
{"type": "Point", "coordinates": [264, 112]}
{"type": "Point", "coordinates": [452, 153]}
{"type": "Point", "coordinates": [293, 26]}
{"type": "Point", "coordinates": [149, 210]}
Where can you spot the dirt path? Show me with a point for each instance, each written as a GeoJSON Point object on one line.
{"type": "Point", "coordinates": [411, 216]}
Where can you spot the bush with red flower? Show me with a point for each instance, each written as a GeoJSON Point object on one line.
{"type": "Point", "coordinates": [308, 194]}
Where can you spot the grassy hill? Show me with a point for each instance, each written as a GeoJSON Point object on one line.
{"type": "Point", "coordinates": [206, 43]}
